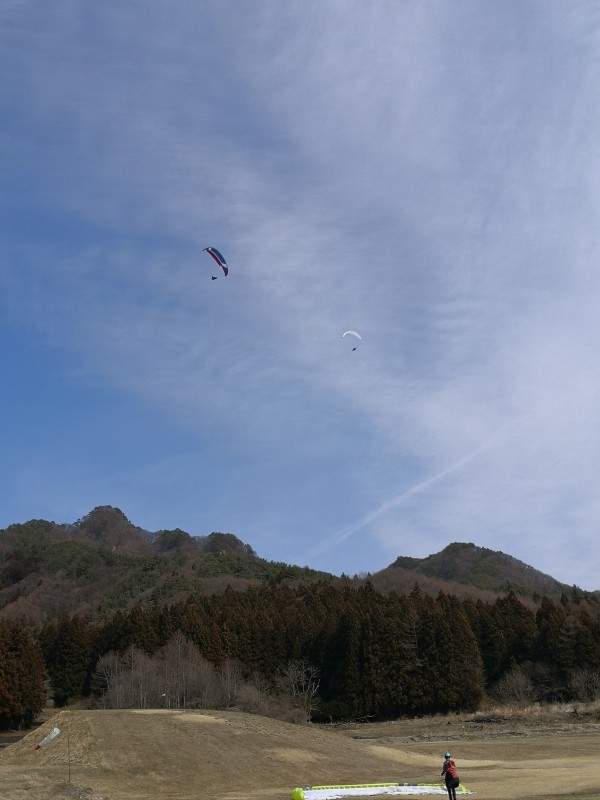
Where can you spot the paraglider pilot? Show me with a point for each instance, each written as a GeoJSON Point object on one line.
{"type": "Point", "coordinates": [450, 775]}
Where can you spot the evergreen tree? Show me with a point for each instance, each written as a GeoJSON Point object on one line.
{"type": "Point", "coordinates": [518, 629]}
{"type": "Point", "coordinates": [22, 676]}
{"type": "Point", "coordinates": [464, 687]}
{"type": "Point", "coordinates": [66, 645]}
{"type": "Point", "coordinates": [488, 627]}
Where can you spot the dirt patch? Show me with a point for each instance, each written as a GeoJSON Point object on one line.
{"type": "Point", "coordinates": [468, 727]}
{"type": "Point", "coordinates": [175, 755]}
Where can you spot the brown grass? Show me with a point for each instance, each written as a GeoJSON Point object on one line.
{"type": "Point", "coordinates": [174, 755]}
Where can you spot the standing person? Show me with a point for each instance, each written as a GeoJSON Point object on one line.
{"type": "Point", "coordinates": [450, 775]}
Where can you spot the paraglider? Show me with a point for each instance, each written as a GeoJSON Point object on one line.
{"type": "Point", "coordinates": [212, 251]}
{"type": "Point", "coordinates": [352, 333]}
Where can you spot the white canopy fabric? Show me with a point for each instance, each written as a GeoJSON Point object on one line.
{"type": "Point", "coordinates": [378, 789]}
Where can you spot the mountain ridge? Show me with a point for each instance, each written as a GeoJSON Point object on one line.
{"type": "Point", "coordinates": [103, 562]}
{"type": "Point", "coordinates": [488, 569]}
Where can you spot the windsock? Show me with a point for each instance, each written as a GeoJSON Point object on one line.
{"type": "Point", "coordinates": [54, 732]}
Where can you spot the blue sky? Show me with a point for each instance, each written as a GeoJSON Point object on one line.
{"type": "Point", "coordinates": [423, 172]}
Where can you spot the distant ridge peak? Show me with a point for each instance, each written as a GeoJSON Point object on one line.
{"type": "Point", "coordinates": [472, 565]}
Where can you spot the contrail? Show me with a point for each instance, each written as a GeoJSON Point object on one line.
{"type": "Point", "coordinates": [394, 502]}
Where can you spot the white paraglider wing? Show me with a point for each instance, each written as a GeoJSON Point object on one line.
{"type": "Point", "coordinates": [355, 335]}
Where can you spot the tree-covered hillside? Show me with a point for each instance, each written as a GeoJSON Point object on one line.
{"type": "Point", "coordinates": [104, 613]}
{"type": "Point", "coordinates": [489, 570]}
{"type": "Point", "coordinates": [104, 562]}
{"type": "Point", "coordinates": [333, 651]}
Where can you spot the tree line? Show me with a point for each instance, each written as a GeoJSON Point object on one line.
{"type": "Point", "coordinates": [328, 652]}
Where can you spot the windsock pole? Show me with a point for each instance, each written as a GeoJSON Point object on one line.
{"type": "Point", "coordinates": [69, 753]}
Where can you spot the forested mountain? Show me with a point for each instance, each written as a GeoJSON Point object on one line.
{"type": "Point", "coordinates": [489, 570]}
{"type": "Point", "coordinates": [104, 613]}
{"type": "Point", "coordinates": [104, 562]}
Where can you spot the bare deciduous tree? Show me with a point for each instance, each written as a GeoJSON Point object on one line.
{"type": "Point", "coordinates": [230, 676]}
{"type": "Point", "coordinates": [256, 696]}
{"type": "Point", "coordinates": [178, 676]}
{"type": "Point", "coordinates": [141, 671]}
{"type": "Point", "coordinates": [514, 687]}
{"type": "Point", "coordinates": [301, 680]}
{"type": "Point", "coordinates": [584, 684]}
{"type": "Point", "coordinates": [206, 688]}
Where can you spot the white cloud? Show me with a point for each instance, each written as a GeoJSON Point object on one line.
{"type": "Point", "coordinates": [424, 174]}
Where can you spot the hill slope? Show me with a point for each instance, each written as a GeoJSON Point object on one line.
{"type": "Point", "coordinates": [489, 570]}
{"type": "Point", "coordinates": [194, 755]}
{"type": "Point", "coordinates": [174, 754]}
{"type": "Point", "coordinates": [104, 562]}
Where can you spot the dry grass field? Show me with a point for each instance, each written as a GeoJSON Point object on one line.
{"type": "Point", "coordinates": [206, 755]}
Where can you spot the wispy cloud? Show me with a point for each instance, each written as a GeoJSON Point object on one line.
{"type": "Point", "coordinates": [424, 174]}
{"type": "Point", "coordinates": [406, 495]}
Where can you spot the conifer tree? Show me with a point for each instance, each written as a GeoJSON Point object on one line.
{"type": "Point", "coordinates": [67, 654]}
{"type": "Point", "coordinates": [464, 683]}
{"type": "Point", "coordinates": [518, 629]}
{"type": "Point", "coordinates": [22, 676]}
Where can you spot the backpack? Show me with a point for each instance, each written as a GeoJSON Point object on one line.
{"type": "Point", "coordinates": [451, 769]}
